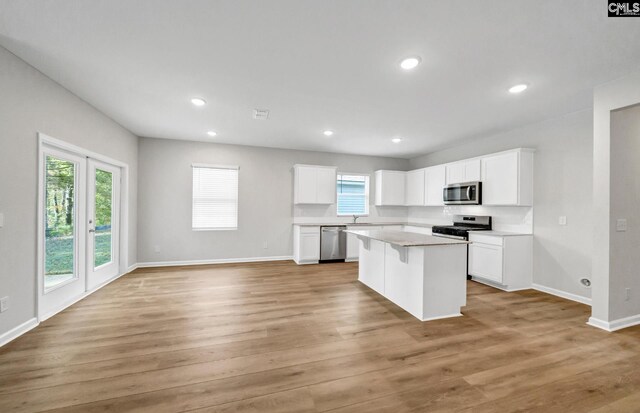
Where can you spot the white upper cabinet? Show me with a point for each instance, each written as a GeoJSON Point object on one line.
{"type": "Point", "coordinates": [326, 185]}
{"type": "Point", "coordinates": [434, 182]}
{"type": "Point", "coordinates": [390, 188]}
{"type": "Point", "coordinates": [507, 178]}
{"type": "Point", "coordinates": [463, 171]}
{"type": "Point", "coordinates": [415, 187]}
{"type": "Point", "coordinates": [314, 184]}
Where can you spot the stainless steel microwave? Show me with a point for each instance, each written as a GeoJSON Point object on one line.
{"type": "Point", "coordinates": [467, 193]}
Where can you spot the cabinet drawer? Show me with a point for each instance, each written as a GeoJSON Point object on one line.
{"type": "Point", "coordinates": [486, 261]}
{"type": "Point", "coordinates": [486, 239]}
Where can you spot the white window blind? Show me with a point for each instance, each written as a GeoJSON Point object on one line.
{"type": "Point", "coordinates": [215, 197]}
{"type": "Point", "coordinates": [353, 194]}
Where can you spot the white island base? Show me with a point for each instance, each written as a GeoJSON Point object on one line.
{"type": "Point", "coordinates": [429, 281]}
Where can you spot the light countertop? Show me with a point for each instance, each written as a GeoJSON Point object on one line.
{"type": "Point", "coordinates": [363, 224]}
{"type": "Point", "coordinates": [405, 239]}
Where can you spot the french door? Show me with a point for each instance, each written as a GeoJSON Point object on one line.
{"type": "Point", "coordinates": [79, 224]}
{"type": "Point", "coordinates": [63, 212]}
{"type": "Point", "coordinates": [103, 219]}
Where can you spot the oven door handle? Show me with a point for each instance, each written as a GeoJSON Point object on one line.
{"type": "Point", "coordinates": [449, 236]}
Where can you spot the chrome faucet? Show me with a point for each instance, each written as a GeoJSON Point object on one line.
{"type": "Point", "coordinates": [355, 218]}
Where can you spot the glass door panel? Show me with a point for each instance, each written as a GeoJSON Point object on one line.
{"type": "Point", "coordinates": [103, 248]}
{"type": "Point", "coordinates": [60, 222]}
{"type": "Point", "coordinates": [62, 225]}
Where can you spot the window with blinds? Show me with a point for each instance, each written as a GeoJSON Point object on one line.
{"type": "Point", "coordinates": [353, 194]}
{"type": "Point", "coordinates": [215, 197]}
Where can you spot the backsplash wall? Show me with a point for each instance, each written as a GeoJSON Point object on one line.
{"type": "Point", "coordinates": [510, 219]}
{"type": "Point", "coordinates": [320, 214]}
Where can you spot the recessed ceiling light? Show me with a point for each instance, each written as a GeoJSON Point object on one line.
{"type": "Point", "coordinates": [396, 140]}
{"type": "Point", "coordinates": [410, 62]}
{"type": "Point", "coordinates": [198, 101]}
{"type": "Point", "coordinates": [211, 133]}
{"type": "Point", "coordinates": [518, 88]}
{"type": "Point", "coordinates": [328, 133]}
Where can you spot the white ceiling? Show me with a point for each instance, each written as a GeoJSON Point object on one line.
{"type": "Point", "coordinates": [325, 64]}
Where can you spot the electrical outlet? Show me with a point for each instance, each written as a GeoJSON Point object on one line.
{"type": "Point", "coordinates": [156, 248]}
{"type": "Point", "coordinates": [627, 294]}
{"type": "Point", "coordinates": [4, 304]}
{"type": "Point", "coordinates": [562, 220]}
{"type": "Point", "coordinates": [265, 245]}
{"type": "Point", "coordinates": [621, 225]}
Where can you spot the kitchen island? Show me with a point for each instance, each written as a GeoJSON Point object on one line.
{"type": "Point", "coordinates": [422, 274]}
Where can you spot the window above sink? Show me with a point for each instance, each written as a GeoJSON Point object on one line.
{"type": "Point", "coordinates": [352, 194]}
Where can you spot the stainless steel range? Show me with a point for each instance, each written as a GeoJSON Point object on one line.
{"type": "Point", "coordinates": [462, 224]}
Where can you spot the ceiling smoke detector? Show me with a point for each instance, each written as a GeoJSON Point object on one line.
{"type": "Point", "coordinates": [261, 114]}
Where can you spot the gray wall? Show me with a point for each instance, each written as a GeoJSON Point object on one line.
{"type": "Point", "coordinates": [625, 204]}
{"type": "Point", "coordinates": [562, 186]}
{"type": "Point", "coordinates": [266, 209]}
{"type": "Point", "coordinates": [30, 103]}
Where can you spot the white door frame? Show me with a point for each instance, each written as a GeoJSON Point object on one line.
{"type": "Point", "coordinates": [123, 268]}
{"type": "Point", "coordinates": [104, 273]}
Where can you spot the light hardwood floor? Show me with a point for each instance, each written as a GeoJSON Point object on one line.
{"type": "Point", "coordinates": [276, 337]}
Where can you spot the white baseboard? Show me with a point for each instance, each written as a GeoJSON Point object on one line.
{"type": "Point", "coordinates": [497, 285]}
{"type": "Point", "coordinates": [615, 325]}
{"type": "Point", "coordinates": [440, 317]}
{"type": "Point", "coordinates": [18, 331]}
{"type": "Point", "coordinates": [215, 261]}
{"type": "Point", "coordinates": [562, 294]}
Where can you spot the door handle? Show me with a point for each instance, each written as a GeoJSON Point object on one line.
{"type": "Point", "coordinates": [92, 230]}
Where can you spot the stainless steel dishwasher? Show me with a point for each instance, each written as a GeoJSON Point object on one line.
{"type": "Point", "coordinates": [333, 243]}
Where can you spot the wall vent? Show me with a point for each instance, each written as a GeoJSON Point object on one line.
{"type": "Point", "coordinates": [261, 114]}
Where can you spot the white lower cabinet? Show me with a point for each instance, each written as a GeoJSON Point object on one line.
{"type": "Point", "coordinates": [486, 261]}
{"type": "Point", "coordinates": [306, 244]}
{"type": "Point", "coordinates": [505, 262]}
